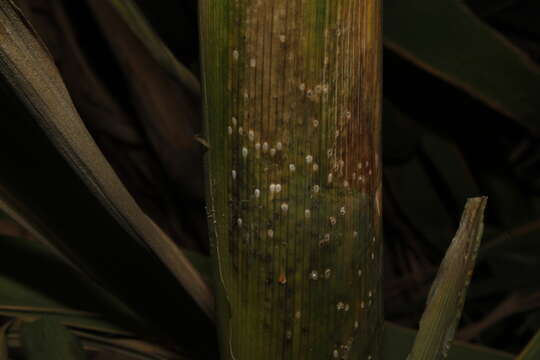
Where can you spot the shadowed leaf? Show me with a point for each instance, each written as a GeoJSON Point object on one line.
{"type": "Point", "coordinates": [398, 341]}
{"type": "Point", "coordinates": [30, 292]}
{"type": "Point", "coordinates": [3, 340]}
{"type": "Point", "coordinates": [410, 184]}
{"type": "Point", "coordinates": [47, 339]}
{"type": "Point", "coordinates": [446, 39]}
{"type": "Point", "coordinates": [136, 21]}
{"type": "Point", "coordinates": [169, 114]}
{"type": "Point", "coordinates": [112, 125]}
{"type": "Point", "coordinates": [63, 187]}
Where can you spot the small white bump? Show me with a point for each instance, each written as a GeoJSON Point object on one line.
{"type": "Point", "coordinates": [362, 305]}
{"type": "Point", "coordinates": [347, 307]}
{"type": "Point", "coordinates": [265, 147]}
{"type": "Point", "coordinates": [270, 233]}
{"type": "Point", "coordinates": [315, 167]}
{"type": "Point", "coordinates": [284, 207]}
{"type": "Point", "coordinates": [234, 121]}
{"type": "Point", "coordinates": [239, 221]}
{"type": "Point", "coordinates": [315, 123]}
{"type": "Point", "coordinates": [372, 256]}
{"type": "Point", "coordinates": [373, 239]}
{"type": "Point", "coordinates": [355, 234]}
{"type": "Point", "coordinates": [325, 88]}
{"type": "Point", "coordinates": [370, 294]}
{"type": "Point", "coordinates": [337, 133]}
{"type": "Point", "coordinates": [329, 152]}
{"type": "Point", "coordinates": [258, 146]}
{"type": "Point", "coordinates": [292, 168]}
{"type": "Point", "coordinates": [230, 130]}
{"type": "Point", "coordinates": [235, 54]}
{"type": "Point", "coordinates": [272, 188]}
{"type": "Point", "coordinates": [327, 273]}
{"type": "Point", "coordinates": [233, 174]}
{"type": "Point", "coordinates": [309, 159]}
{"type": "Point", "coordinates": [298, 315]}
{"type": "Point", "coordinates": [302, 87]}
{"type": "Point", "coordinates": [251, 135]}
{"type": "Point", "coordinates": [240, 130]}
{"type": "Point", "coordinates": [279, 146]}
{"type": "Point", "coordinates": [340, 306]}
{"type": "Point", "coordinates": [332, 220]}
{"type": "Point", "coordinates": [252, 63]}
{"type": "Point", "coordinates": [335, 354]}
{"type": "Point", "coordinates": [307, 213]}
{"type": "Point", "coordinates": [330, 176]}
{"type": "Point", "coordinates": [356, 324]}
{"type": "Point", "coordinates": [282, 38]}
{"type": "Point", "coordinates": [272, 152]}
{"type": "Point", "coordinates": [257, 193]}
{"type": "Point", "coordinates": [360, 273]}
{"type": "Point", "coordinates": [314, 275]}
{"type": "Point", "coordinates": [342, 211]}
{"type": "Point", "coordinates": [316, 188]}
{"type": "Point", "coordinates": [244, 152]}
{"type": "Point", "coordinates": [278, 188]}
{"type": "Point", "coordinates": [348, 114]}
{"type": "Point", "coordinates": [345, 183]}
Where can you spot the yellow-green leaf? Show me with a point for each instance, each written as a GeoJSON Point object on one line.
{"type": "Point", "coordinates": [447, 295]}
{"type": "Point", "coordinates": [532, 351]}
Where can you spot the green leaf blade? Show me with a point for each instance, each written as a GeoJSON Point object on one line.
{"type": "Point", "coordinates": [532, 350]}
{"type": "Point", "coordinates": [447, 295]}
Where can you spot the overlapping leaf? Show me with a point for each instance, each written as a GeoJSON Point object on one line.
{"type": "Point", "coordinates": [63, 187]}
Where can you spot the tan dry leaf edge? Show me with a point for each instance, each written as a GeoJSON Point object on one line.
{"type": "Point", "coordinates": [29, 69]}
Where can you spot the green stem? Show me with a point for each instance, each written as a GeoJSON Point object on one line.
{"type": "Point", "coordinates": [292, 103]}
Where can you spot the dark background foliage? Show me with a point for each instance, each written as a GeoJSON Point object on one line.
{"type": "Point", "coordinates": [445, 138]}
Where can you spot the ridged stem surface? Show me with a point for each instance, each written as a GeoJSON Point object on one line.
{"type": "Point", "coordinates": [292, 98]}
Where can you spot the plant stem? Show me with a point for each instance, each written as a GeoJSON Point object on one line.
{"type": "Point", "coordinates": [292, 104]}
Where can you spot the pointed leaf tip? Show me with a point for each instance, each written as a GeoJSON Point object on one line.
{"type": "Point", "coordinates": [447, 295]}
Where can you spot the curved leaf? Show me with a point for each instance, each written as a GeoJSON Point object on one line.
{"type": "Point", "coordinates": [133, 16]}
{"type": "Point", "coordinates": [63, 187]}
{"type": "Point", "coordinates": [446, 39]}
